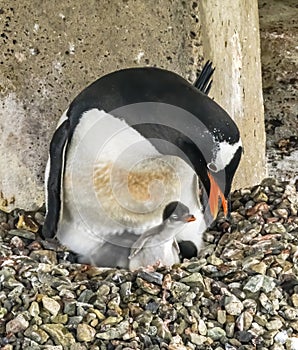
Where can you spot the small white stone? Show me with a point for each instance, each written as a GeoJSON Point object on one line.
{"type": "Point", "coordinates": [294, 299]}
{"type": "Point", "coordinates": [233, 306]}
{"type": "Point", "coordinates": [292, 344]}
{"type": "Point", "coordinates": [198, 339]}
{"type": "Point", "coordinates": [85, 332]}
{"type": "Point", "coordinates": [51, 305]}
{"type": "Point", "coordinates": [17, 324]}
{"type": "Point", "coordinates": [274, 324]}
{"type": "Point", "coordinates": [281, 337]}
{"type": "Point", "coordinates": [202, 328]}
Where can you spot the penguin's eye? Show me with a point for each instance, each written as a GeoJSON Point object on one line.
{"type": "Point", "coordinates": [174, 217]}
{"type": "Point", "coordinates": [211, 166]}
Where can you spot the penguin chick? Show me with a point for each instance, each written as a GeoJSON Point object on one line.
{"type": "Point", "coordinates": [158, 244]}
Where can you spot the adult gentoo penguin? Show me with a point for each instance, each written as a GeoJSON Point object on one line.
{"type": "Point", "coordinates": [131, 142]}
{"type": "Point", "coordinates": [158, 245]}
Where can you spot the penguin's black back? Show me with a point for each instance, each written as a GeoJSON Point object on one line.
{"type": "Point", "coordinates": [148, 84]}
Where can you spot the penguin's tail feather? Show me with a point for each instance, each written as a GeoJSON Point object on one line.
{"type": "Point", "coordinates": [204, 81]}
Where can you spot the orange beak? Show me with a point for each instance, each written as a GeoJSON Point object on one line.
{"type": "Point", "coordinates": [215, 194]}
{"type": "Point", "coordinates": [190, 218]}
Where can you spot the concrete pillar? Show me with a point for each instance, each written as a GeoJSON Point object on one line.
{"type": "Point", "coordinates": [230, 38]}
{"type": "Point", "coordinates": [51, 50]}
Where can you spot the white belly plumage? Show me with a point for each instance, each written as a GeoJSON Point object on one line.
{"type": "Point", "coordinates": [115, 181]}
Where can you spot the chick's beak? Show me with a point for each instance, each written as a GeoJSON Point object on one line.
{"type": "Point", "coordinates": [190, 218]}
{"type": "Point", "coordinates": [215, 194]}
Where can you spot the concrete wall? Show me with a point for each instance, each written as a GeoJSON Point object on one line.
{"type": "Point", "coordinates": [51, 50]}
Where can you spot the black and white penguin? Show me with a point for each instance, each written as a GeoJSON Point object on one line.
{"type": "Point", "coordinates": [131, 142]}
{"type": "Point", "coordinates": [158, 245]}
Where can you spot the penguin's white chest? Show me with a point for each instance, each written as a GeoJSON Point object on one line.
{"type": "Point", "coordinates": [115, 181]}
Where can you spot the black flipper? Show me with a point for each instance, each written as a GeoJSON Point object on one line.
{"type": "Point", "coordinates": [55, 179]}
{"type": "Point", "coordinates": [203, 82]}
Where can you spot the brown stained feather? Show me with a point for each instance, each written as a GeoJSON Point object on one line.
{"type": "Point", "coordinates": [128, 194]}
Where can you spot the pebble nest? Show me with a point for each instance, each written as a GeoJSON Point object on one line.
{"type": "Point", "coordinates": [240, 293]}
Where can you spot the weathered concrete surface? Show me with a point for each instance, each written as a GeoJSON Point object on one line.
{"type": "Point", "coordinates": [230, 37]}
{"type": "Point", "coordinates": [51, 50]}
{"type": "Point", "coordinates": [279, 33]}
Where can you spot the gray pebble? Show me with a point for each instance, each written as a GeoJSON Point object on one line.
{"type": "Point", "coordinates": [216, 333]}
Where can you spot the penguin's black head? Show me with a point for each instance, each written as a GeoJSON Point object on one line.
{"type": "Point", "coordinates": [216, 176]}
{"type": "Point", "coordinates": [176, 211]}
{"type": "Point", "coordinates": [220, 183]}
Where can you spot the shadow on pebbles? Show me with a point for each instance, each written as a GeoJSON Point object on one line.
{"type": "Point", "coordinates": [240, 293]}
